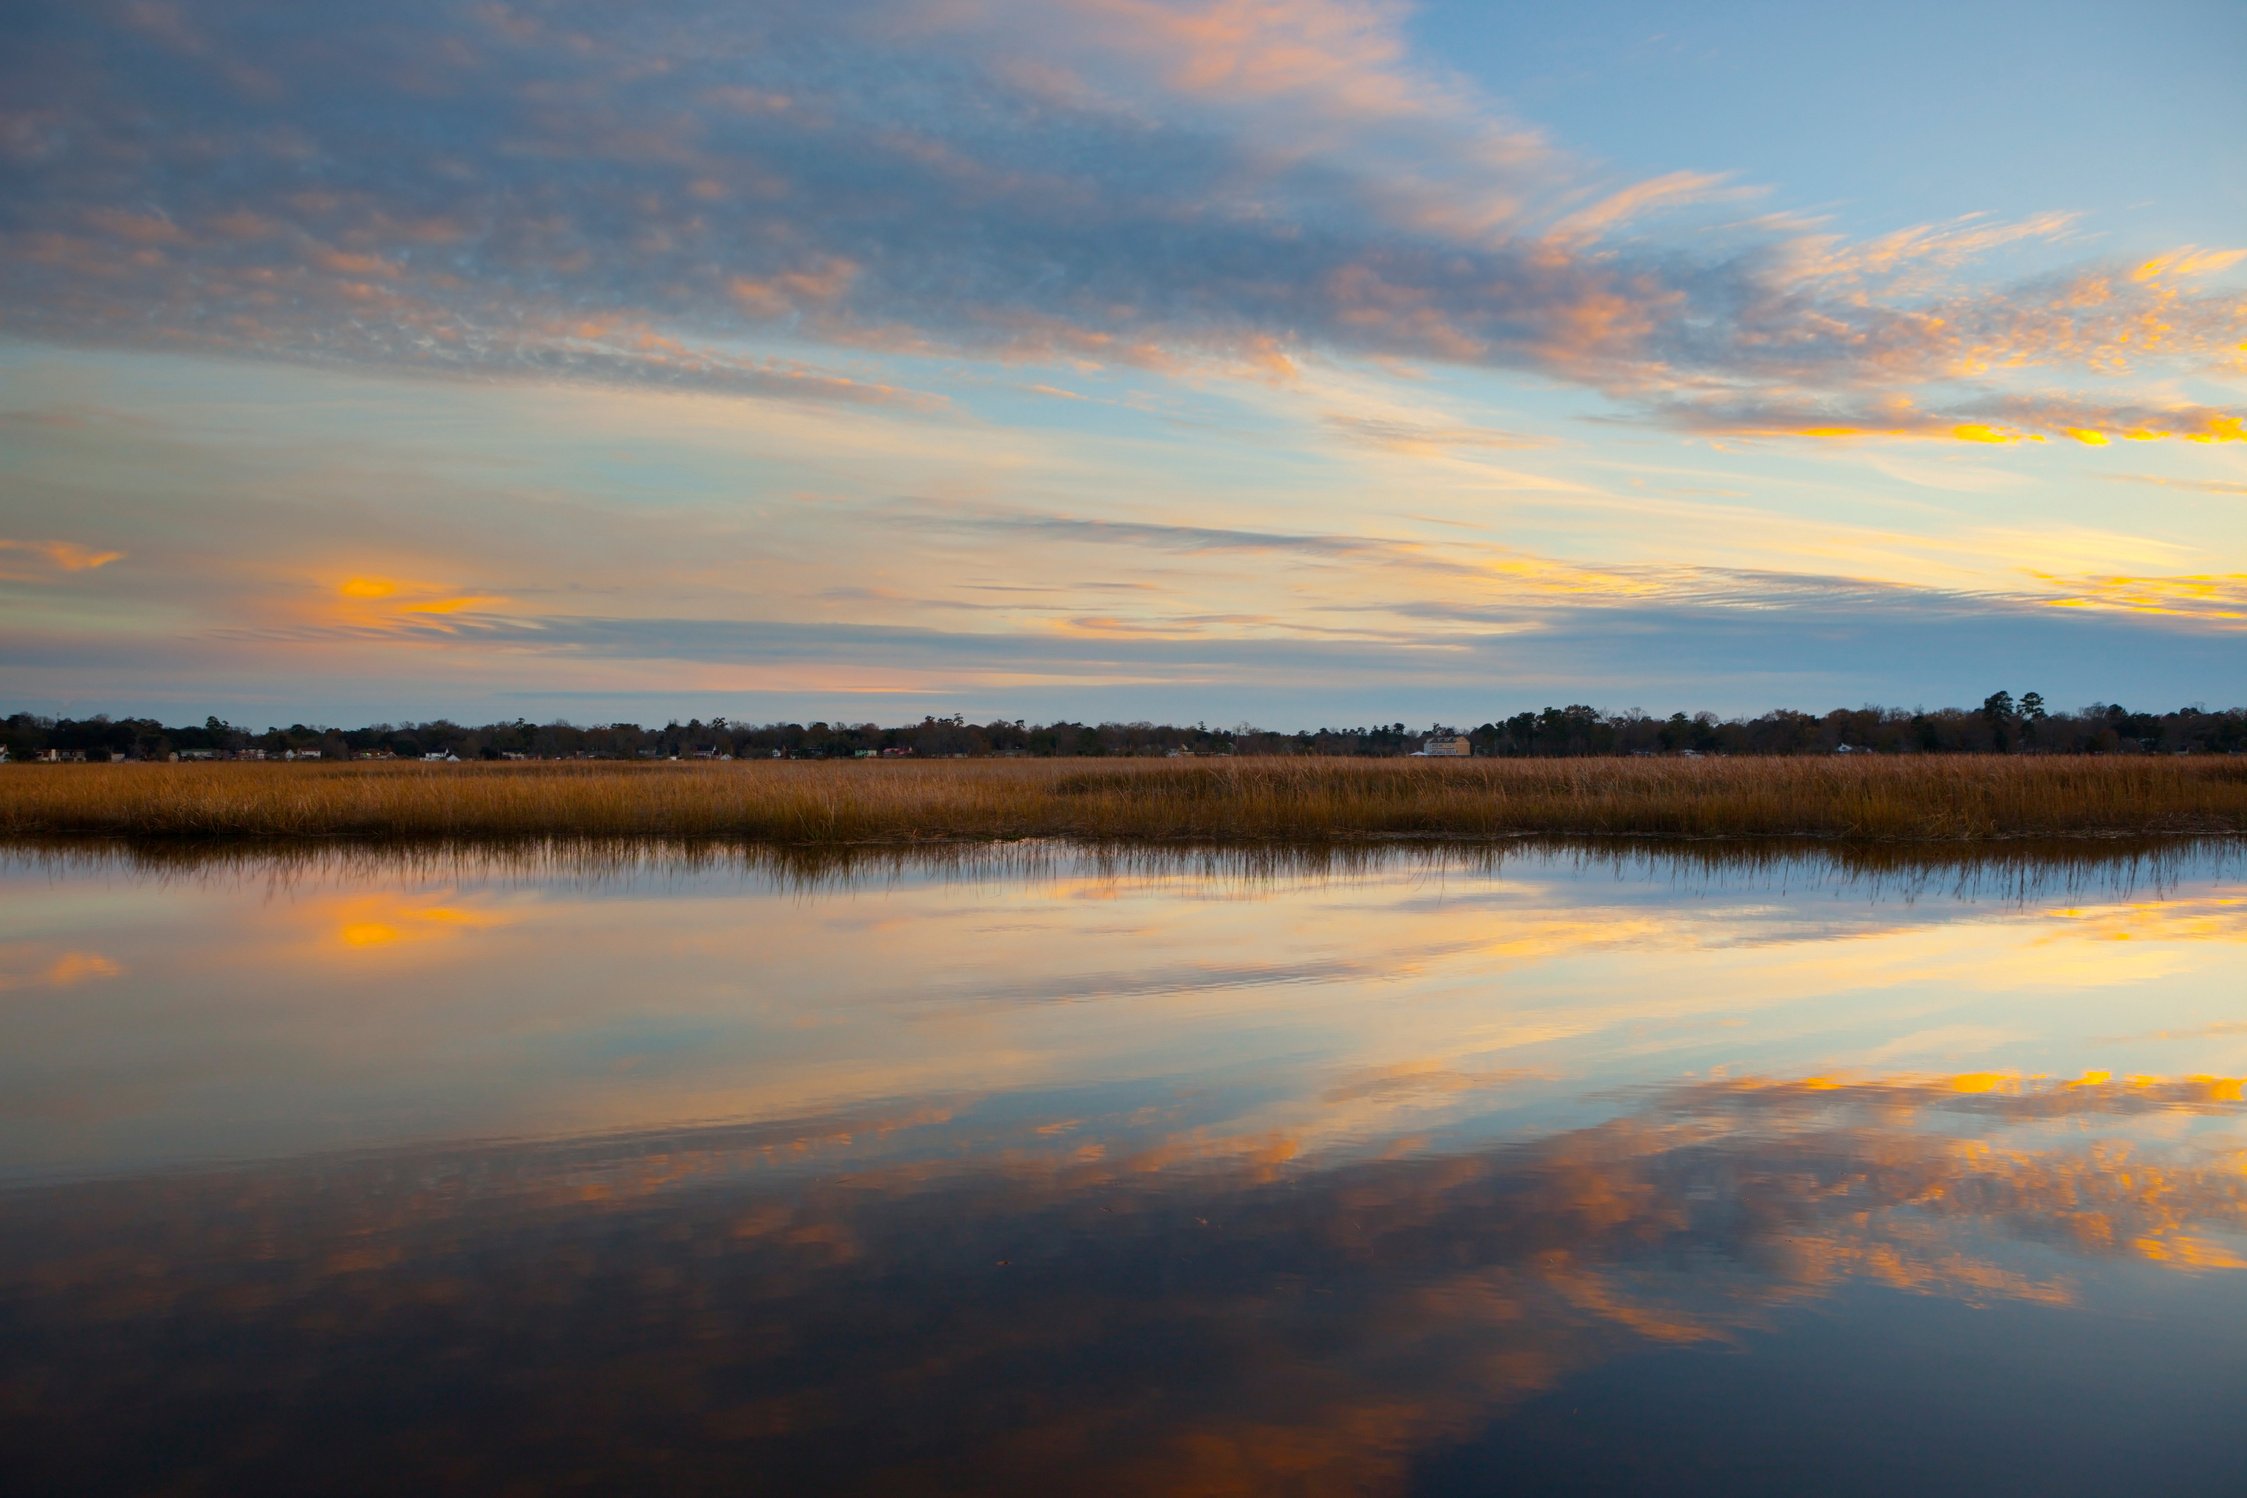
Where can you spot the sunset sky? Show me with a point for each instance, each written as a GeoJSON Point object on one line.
{"type": "Point", "coordinates": [1294, 361]}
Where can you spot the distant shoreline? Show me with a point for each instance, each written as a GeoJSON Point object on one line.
{"type": "Point", "coordinates": [1919, 798]}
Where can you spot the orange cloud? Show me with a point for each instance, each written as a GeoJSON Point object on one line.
{"type": "Point", "coordinates": [1261, 48]}
{"type": "Point", "coordinates": [43, 558]}
{"type": "Point", "coordinates": [1675, 189]}
{"type": "Point", "coordinates": [2189, 261]}
{"type": "Point", "coordinates": [1999, 422]}
{"type": "Point", "coordinates": [1428, 438]}
{"type": "Point", "coordinates": [1828, 258]}
{"type": "Point", "coordinates": [388, 605]}
{"type": "Point", "coordinates": [788, 291]}
{"type": "Point", "coordinates": [2220, 597]}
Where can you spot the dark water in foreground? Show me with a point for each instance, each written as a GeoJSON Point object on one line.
{"type": "Point", "coordinates": [1042, 1172]}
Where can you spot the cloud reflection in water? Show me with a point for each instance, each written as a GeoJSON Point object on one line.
{"type": "Point", "coordinates": [974, 1301]}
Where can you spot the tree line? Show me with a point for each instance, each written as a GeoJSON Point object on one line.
{"type": "Point", "coordinates": [2001, 725]}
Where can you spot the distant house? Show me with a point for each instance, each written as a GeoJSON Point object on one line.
{"type": "Point", "coordinates": [1446, 746]}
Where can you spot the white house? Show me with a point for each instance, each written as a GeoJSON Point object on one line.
{"type": "Point", "coordinates": [1447, 746]}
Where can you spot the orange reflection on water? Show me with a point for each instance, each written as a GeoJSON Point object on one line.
{"type": "Point", "coordinates": [381, 921]}
{"type": "Point", "coordinates": [2187, 918]}
{"type": "Point", "coordinates": [39, 965]}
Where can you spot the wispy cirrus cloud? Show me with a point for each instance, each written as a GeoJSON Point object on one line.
{"type": "Point", "coordinates": [1993, 420]}
{"type": "Point", "coordinates": [566, 191]}
{"type": "Point", "coordinates": [1424, 437]}
{"type": "Point", "coordinates": [2216, 598]}
{"type": "Point", "coordinates": [28, 560]}
{"type": "Point", "coordinates": [2162, 481]}
{"type": "Point", "coordinates": [1355, 610]}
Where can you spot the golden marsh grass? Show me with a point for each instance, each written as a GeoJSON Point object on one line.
{"type": "Point", "coordinates": [1921, 798]}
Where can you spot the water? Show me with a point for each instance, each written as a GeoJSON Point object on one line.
{"type": "Point", "coordinates": [1565, 1170]}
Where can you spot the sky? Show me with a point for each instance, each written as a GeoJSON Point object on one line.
{"type": "Point", "coordinates": [1304, 364]}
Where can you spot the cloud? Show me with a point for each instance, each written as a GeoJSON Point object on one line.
{"type": "Point", "coordinates": [22, 561]}
{"type": "Point", "coordinates": [2006, 1096]}
{"type": "Point", "coordinates": [1996, 421]}
{"type": "Point", "coordinates": [2214, 598]}
{"type": "Point", "coordinates": [1187, 538]}
{"type": "Point", "coordinates": [2189, 261]}
{"type": "Point", "coordinates": [1465, 582]}
{"type": "Point", "coordinates": [2204, 486]}
{"type": "Point", "coordinates": [1676, 189]}
{"type": "Point", "coordinates": [1417, 437]}
{"type": "Point", "coordinates": [2222, 1029]}
{"type": "Point", "coordinates": [1669, 632]}
{"type": "Point", "coordinates": [573, 193]}
{"type": "Point", "coordinates": [1914, 251]}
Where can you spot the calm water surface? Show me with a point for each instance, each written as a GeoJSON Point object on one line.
{"type": "Point", "coordinates": [1041, 1171]}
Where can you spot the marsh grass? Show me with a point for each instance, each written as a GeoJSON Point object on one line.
{"type": "Point", "coordinates": [1297, 801]}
